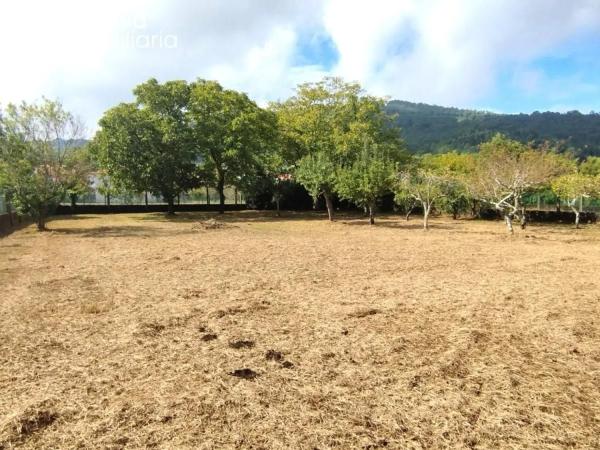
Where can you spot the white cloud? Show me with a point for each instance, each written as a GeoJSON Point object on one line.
{"type": "Point", "coordinates": [91, 54]}
{"type": "Point", "coordinates": [458, 47]}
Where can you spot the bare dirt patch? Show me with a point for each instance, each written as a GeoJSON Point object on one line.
{"type": "Point", "coordinates": [116, 332]}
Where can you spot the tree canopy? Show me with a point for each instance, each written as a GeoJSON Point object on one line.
{"type": "Point", "coordinates": [146, 145]}
{"type": "Point", "coordinates": [39, 159]}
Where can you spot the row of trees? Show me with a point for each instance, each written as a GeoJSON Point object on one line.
{"type": "Point", "coordinates": [178, 136]}
{"type": "Point", "coordinates": [330, 137]}
{"type": "Point", "coordinates": [499, 176]}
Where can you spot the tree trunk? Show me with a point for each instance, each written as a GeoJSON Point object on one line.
{"type": "Point", "coordinates": [372, 214]}
{"type": "Point", "coordinates": [236, 199]}
{"type": "Point", "coordinates": [41, 224]}
{"type": "Point", "coordinates": [426, 210]}
{"type": "Point", "coordinates": [558, 204]}
{"type": "Point", "coordinates": [9, 211]}
{"type": "Point", "coordinates": [508, 219]}
{"type": "Point", "coordinates": [146, 198]}
{"type": "Point", "coordinates": [41, 219]}
{"type": "Point", "coordinates": [73, 198]}
{"type": "Point", "coordinates": [409, 212]}
{"type": "Point", "coordinates": [454, 213]}
{"type": "Point", "coordinates": [108, 200]}
{"type": "Point", "coordinates": [329, 205]}
{"type": "Point", "coordinates": [221, 189]}
{"type": "Point", "coordinates": [170, 205]}
{"type": "Point", "coordinates": [577, 213]}
{"type": "Point", "coordinates": [277, 206]}
{"type": "Point", "coordinates": [523, 218]}
{"type": "Point", "coordinates": [207, 196]}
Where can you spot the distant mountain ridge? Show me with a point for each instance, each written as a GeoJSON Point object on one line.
{"type": "Point", "coordinates": [432, 129]}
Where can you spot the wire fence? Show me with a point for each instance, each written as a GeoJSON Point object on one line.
{"type": "Point", "coordinates": [204, 196]}
{"type": "Point", "coordinates": [546, 202]}
{"type": "Point", "coordinates": [234, 197]}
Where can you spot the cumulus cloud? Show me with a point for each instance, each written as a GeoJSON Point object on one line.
{"type": "Point", "coordinates": [455, 49]}
{"type": "Point", "coordinates": [91, 54]}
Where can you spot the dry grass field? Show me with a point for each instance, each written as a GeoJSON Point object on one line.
{"type": "Point", "coordinates": [134, 331]}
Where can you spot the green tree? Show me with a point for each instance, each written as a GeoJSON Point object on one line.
{"type": "Point", "coordinates": [317, 172]}
{"type": "Point", "coordinates": [371, 175]}
{"type": "Point", "coordinates": [148, 145]}
{"type": "Point", "coordinates": [591, 166]}
{"type": "Point", "coordinates": [36, 167]}
{"type": "Point", "coordinates": [232, 134]}
{"type": "Point", "coordinates": [456, 167]}
{"type": "Point", "coordinates": [574, 188]}
{"type": "Point", "coordinates": [79, 165]}
{"type": "Point", "coordinates": [324, 128]}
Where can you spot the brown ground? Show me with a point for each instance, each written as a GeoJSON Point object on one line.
{"type": "Point", "coordinates": [137, 332]}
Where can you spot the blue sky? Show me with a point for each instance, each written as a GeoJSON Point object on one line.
{"type": "Point", "coordinates": [504, 55]}
{"type": "Point", "coordinates": [566, 77]}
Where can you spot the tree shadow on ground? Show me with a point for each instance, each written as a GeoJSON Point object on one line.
{"type": "Point", "coordinates": [116, 231]}
{"type": "Point", "coordinates": [71, 217]}
{"type": "Point", "coordinates": [398, 222]}
{"type": "Point", "coordinates": [241, 216]}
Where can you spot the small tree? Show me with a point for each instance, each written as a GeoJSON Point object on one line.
{"type": "Point", "coordinates": [425, 186]}
{"type": "Point", "coordinates": [317, 173]}
{"type": "Point", "coordinates": [456, 168]}
{"type": "Point", "coordinates": [370, 176]}
{"type": "Point", "coordinates": [506, 170]}
{"type": "Point", "coordinates": [573, 188]}
{"type": "Point", "coordinates": [79, 167]}
{"type": "Point", "coordinates": [280, 183]}
{"type": "Point", "coordinates": [36, 167]}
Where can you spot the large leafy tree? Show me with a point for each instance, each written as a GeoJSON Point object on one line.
{"type": "Point", "coordinates": [147, 145]}
{"type": "Point", "coordinates": [324, 127]}
{"type": "Point", "coordinates": [232, 135]}
{"type": "Point", "coordinates": [37, 157]}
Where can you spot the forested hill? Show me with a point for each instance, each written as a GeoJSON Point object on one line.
{"type": "Point", "coordinates": [429, 128]}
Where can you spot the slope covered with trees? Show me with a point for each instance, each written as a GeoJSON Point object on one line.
{"type": "Point", "coordinates": [434, 129]}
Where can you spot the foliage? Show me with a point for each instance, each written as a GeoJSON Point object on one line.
{"type": "Point", "coordinates": [456, 168]}
{"type": "Point", "coordinates": [147, 146]}
{"type": "Point", "coordinates": [79, 165]}
{"type": "Point", "coordinates": [317, 173]}
{"type": "Point", "coordinates": [324, 127]}
{"type": "Point", "coordinates": [233, 135]}
{"type": "Point", "coordinates": [424, 184]}
{"type": "Point", "coordinates": [436, 129]}
{"type": "Point", "coordinates": [506, 170]}
{"type": "Point", "coordinates": [39, 161]}
{"type": "Point", "coordinates": [591, 166]}
{"type": "Point", "coordinates": [371, 175]}
{"type": "Point", "coordinates": [574, 187]}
